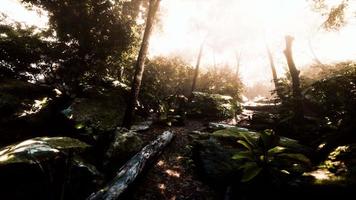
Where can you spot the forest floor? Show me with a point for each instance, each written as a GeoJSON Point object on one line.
{"type": "Point", "coordinates": [172, 175]}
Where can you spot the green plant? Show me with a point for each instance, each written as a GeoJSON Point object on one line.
{"type": "Point", "coordinates": [265, 154]}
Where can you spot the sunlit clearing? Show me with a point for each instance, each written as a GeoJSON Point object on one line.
{"type": "Point", "coordinates": [244, 28]}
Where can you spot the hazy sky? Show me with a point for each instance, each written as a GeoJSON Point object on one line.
{"type": "Point", "coordinates": [247, 26]}
{"type": "Point", "coordinates": [232, 27]}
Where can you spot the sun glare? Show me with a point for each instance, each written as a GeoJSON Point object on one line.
{"type": "Point", "coordinates": [236, 27]}
{"type": "Point", "coordinates": [247, 26]}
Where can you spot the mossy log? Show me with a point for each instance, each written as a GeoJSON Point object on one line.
{"type": "Point", "coordinates": [129, 172]}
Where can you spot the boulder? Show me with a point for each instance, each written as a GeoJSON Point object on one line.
{"type": "Point", "coordinates": [214, 162]}
{"type": "Point", "coordinates": [125, 145]}
{"type": "Point", "coordinates": [142, 126]}
{"type": "Point", "coordinates": [45, 168]}
{"type": "Point", "coordinates": [96, 114]}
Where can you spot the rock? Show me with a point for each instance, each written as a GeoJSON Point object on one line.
{"type": "Point", "coordinates": [98, 113]}
{"type": "Point", "coordinates": [215, 162]}
{"type": "Point", "coordinates": [143, 126]}
{"type": "Point", "coordinates": [199, 135]}
{"type": "Point", "coordinates": [125, 144]}
{"type": "Point", "coordinates": [212, 106]}
{"type": "Point", "coordinates": [218, 126]}
{"type": "Point", "coordinates": [39, 168]}
{"type": "Point", "coordinates": [37, 149]}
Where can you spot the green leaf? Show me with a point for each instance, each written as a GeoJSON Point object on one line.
{"type": "Point", "coordinates": [243, 155]}
{"type": "Point", "coordinates": [248, 139]}
{"type": "Point", "coordinates": [276, 150]}
{"type": "Point", "coordinates": [245, 144]}
{"type": "Point", "coordinates": [251, 170]}
{"type": "Point", "coordinates": [296, 156]}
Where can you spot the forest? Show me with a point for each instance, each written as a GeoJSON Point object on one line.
{"type": "Point", "coordinates": [99, 104]}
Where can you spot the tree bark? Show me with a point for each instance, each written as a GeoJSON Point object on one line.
{"type": "Point", "coordinates": [297, 94]}
{"type": "Point", "coordinates": [129, 172]}
{"type": "Point", "coordinates": [274, 73]}
{"type": "Point", "coordinates": [196, 72]}
{"type": "Point", "coordinates": [140, 64]}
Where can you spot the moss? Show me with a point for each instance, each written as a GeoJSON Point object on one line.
{"type": "Point", "coordinates": [102, 113]}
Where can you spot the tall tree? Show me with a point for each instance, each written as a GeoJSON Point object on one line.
{"type": "Point", "coordinates": [140, 63]}
{"type": "Point", "coordinates": [238, 61]}
{"type": "Point", "coordinates": [273, 67]}
{"type": "Point", "coordinates": [294, 72]}
{"type": "Point", "coordinates": [196, 71]}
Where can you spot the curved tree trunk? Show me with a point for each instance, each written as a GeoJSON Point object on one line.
{"type": "Point", "coordinates": [140, 64]}
{"type": "Point", "coordinates": [297, 94]}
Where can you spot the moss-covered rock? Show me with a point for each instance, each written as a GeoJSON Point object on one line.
{"type": "Point", "coordinates": [39, 168]}
{"type": "Point", "coordinates": [214, 162]}
{"type": "Point", "coordinates": [213, 106]}
{"type": "Point", "coordinates": [125, 144]}
{"type": "Point", "coordinates": [98, 113]}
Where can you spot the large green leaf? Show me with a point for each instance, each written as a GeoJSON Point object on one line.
{"type": "Point", "coordinates": [245, 144]}
{"type": "Point", "coordinates": [39, 149]}
{"type": "Point", "coordinates": [248, 139]}
{"type": "Point", "coordinates": [276, 150]}
{"type": "Point", "coordinates": [251, 170]}
{"type": "Point", "coordinates": [243, 155]}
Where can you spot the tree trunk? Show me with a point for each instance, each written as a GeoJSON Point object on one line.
{"type": "Point", "coordinates": [196, 72]}
{"type": "Point", "coordinates": [274, 73]}
{"type": "Point", "coordinates": [238, 60]}
{"type": "Point", "coordinates": [297, 94]}
{"type": "Point", "coordinates": [129, 172]}
{"type": "Point", "coordinates": [140, 64]}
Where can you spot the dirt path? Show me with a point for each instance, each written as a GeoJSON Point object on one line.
{"type": "Point", "coordinates": [172, 175]}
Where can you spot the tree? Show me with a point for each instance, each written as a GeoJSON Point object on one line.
{"type": "Point", "coordinates": [140, 64]}
{"type": "Point", "coordinates": [85, 42]}
{"type": "Point", "coordinates": [273, 68]}
{"type": "Point", "coordinates": [335, 16]}
{"type": "Point", "coordinates": [294, 72]}
{"type": "Point", "coordinates": [196, 72]}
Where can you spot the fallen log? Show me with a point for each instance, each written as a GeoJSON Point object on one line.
{"type": "Point", "coordinates": [129, 172]}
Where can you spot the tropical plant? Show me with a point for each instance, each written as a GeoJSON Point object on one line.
{"type": "Point", "coordinates": [265, 155]}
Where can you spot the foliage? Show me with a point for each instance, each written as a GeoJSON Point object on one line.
{"type": "Point", "coordinates": [212, 106]}
{"type": "Point", "coordinates": [86, 40]}
{"type": "Point", "coordinates": [167, 81]}
{"type": "Point", "coordinates": [336, 16]}
{"type": "Point", "coordinates": [164, 78]}
{"type": "Point", "coordinates": [329, 100]}
{"type": "Point", "coordinates": [265, 155]}
{"type": "Point", "coordinates": [220, 80]}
